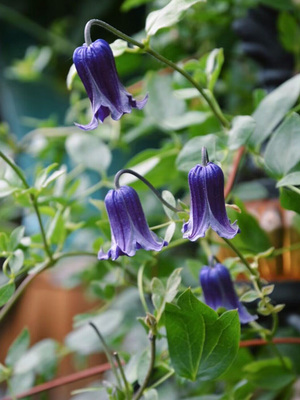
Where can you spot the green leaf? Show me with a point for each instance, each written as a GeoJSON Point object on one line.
{"type": "Point", "coordinates": [242, 128]}
{"type": "Point", "coordinates": [168, 196]}
{"type": "Point", "coordinates": [84, 340]}
{"type": "Point", "coordinates": [5, 188]}
{"type": "Point", "coordinates": [170, 232]}
{"type": "Point", "coordinates": [15, 237]}
{"type": "Point", "coordinates": [161, 294]}
{"type": "Point", "coordinates": [168, 16]}
{"type": "Point", "coordinates": [16, 261]}
{"type": "Point", "coordinates": [269, 374]}
{"type": "Point", "coordinates": [221, 345]}
{"type": "Point", "coordinates": [6, 291]}
{"type": "Point", "coordinates": [249, 296]}
{"type": "Point", "coordinates": [118, 47]}
{"type": "Point", "coordinates": [282, 152]}
{"type": "Point", "coordinates": [290, 200]}
{"type": "Point", "coordinates": [18, 348]}
{"type": "Point", "coordinates": [273, 108]}
{"type": "Point", "coordinates": [129, 4]}
{"type": "Point", "coordinates": [200, 343]}
{"type": "Point", "coordinates": [89, 151]}
{"type": "Point", "coordinates": [42, 176]}
{"type": "Point", "coordinates": [289, 32]}
{"type": "Point", "coordinates": [150, 395]}
{"type": "Point", "coordinates": [156, 165]}
{"type": "Point", "coordinates": [3, 241]}
{"type": "Point", "coordinates": [190, 155]}
{"type": "Point", "coordinates": [40, 359]}
{"type": "Point", "coordinates": [213, 68]}
{"type": "Point", "coordinates": [292, 178]}
{"type": "Point", "coordinates": [167, 111]}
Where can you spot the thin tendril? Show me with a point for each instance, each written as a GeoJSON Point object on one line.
{"type": "Point", "coordinates": [146, 182]}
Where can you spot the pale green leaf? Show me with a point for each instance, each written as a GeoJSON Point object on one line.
{"type": "Point", "coordinates": [168, 16]}
{"type": "Point", "coordinates": [282, 152]}
{"type": "Point", "coordinates": [273, 108]}
{"type": "Point", "coordinates": [292, 178]}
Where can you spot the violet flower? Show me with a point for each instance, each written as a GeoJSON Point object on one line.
{"type": "Point", "coordinates": [129, 228]}
{"type": "Point", "coordinates": [218, 291]}
{"type": "Point", "coordinates": [96, 68]}
{"type": "Point", "coordinates": [206, 184]}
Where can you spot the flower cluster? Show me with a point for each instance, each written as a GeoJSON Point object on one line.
{"type": "Point", "coordinates": [129, 229]}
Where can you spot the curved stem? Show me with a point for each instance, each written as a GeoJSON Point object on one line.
{"type": "Point", "coordinates": [107, 353]}
{"type": "Point", "coordinates": [217, 112]}
{"type": "Point", "coordinates": [147, 49]}
{"type": "Point", "coordinates": [44, 238]}
{"type": "Point", "coordinates": [105, 25]}
{"type": "Point", "coordinates": [150, 368]}
{"type": "Point", "coordinates": [146, 182]}
{"type": "Point", "coordinates": [244, 261]}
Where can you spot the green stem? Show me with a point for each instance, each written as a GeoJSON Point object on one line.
{"type": "Point", "coordinates": [107, 353]}
{"type": "Point", "coordinates": [105, 25]}
{"type": "Point", "coordinates": [139, 393]}
{"type": "Point", "coordinates": [37, 211]}
{"type": "Point", "coordinates": [126, 385]}
{"type": "Point", "coordinates": [147, 49]}
{"type": "Point", "coordinates": [252, 271]}
{"type": "Point", "coordinates": [141, 288]}
{"type": "Point", "coordinates": [163, 379]}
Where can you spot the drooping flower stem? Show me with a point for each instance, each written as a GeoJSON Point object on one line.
{"type": "Point", "coordinates": [105, 25]}
{"type": "Point", "coordinates": [252, 271]}
{"type": "Point", "coordinates": [146, 182]}
{"type": "Point", "coordinates": [147, 49]}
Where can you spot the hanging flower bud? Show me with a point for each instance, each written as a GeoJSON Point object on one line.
{"type": "Point", "coordinates": [219, 292]}
{"type": "Point", "coordinates": [96, 68]}
{"type": "Point", "coordinates": [206, 184]}
{"type": "Point", "coordinates": [129, 228]}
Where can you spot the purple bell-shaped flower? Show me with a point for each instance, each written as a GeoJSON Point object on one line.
{"type": "Point", "coordinates": [218, 291]}
{"type": "Point", "coordinates": [96, 68]}
{"type": "Point", "coordinates": [129, 228]}
{"type": "Point", "coordinates": [206, 184]}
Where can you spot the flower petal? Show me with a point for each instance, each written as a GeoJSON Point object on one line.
{"type": "Point", "coordinates": [199, 216]}
{"type": "Point", "coordinates": [215, 195]}
{"type": "Point", "coordinates": [96, 68]}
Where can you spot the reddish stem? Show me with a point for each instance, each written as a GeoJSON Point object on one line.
{"type": "Point", "coordinates": [235, 166]}
{"type": "Point", "coordinates": [64, 380]}
{"type": "Point", "coordinates": [77, 376]}
{"type": "Point", "coordinates": [261, 342]}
